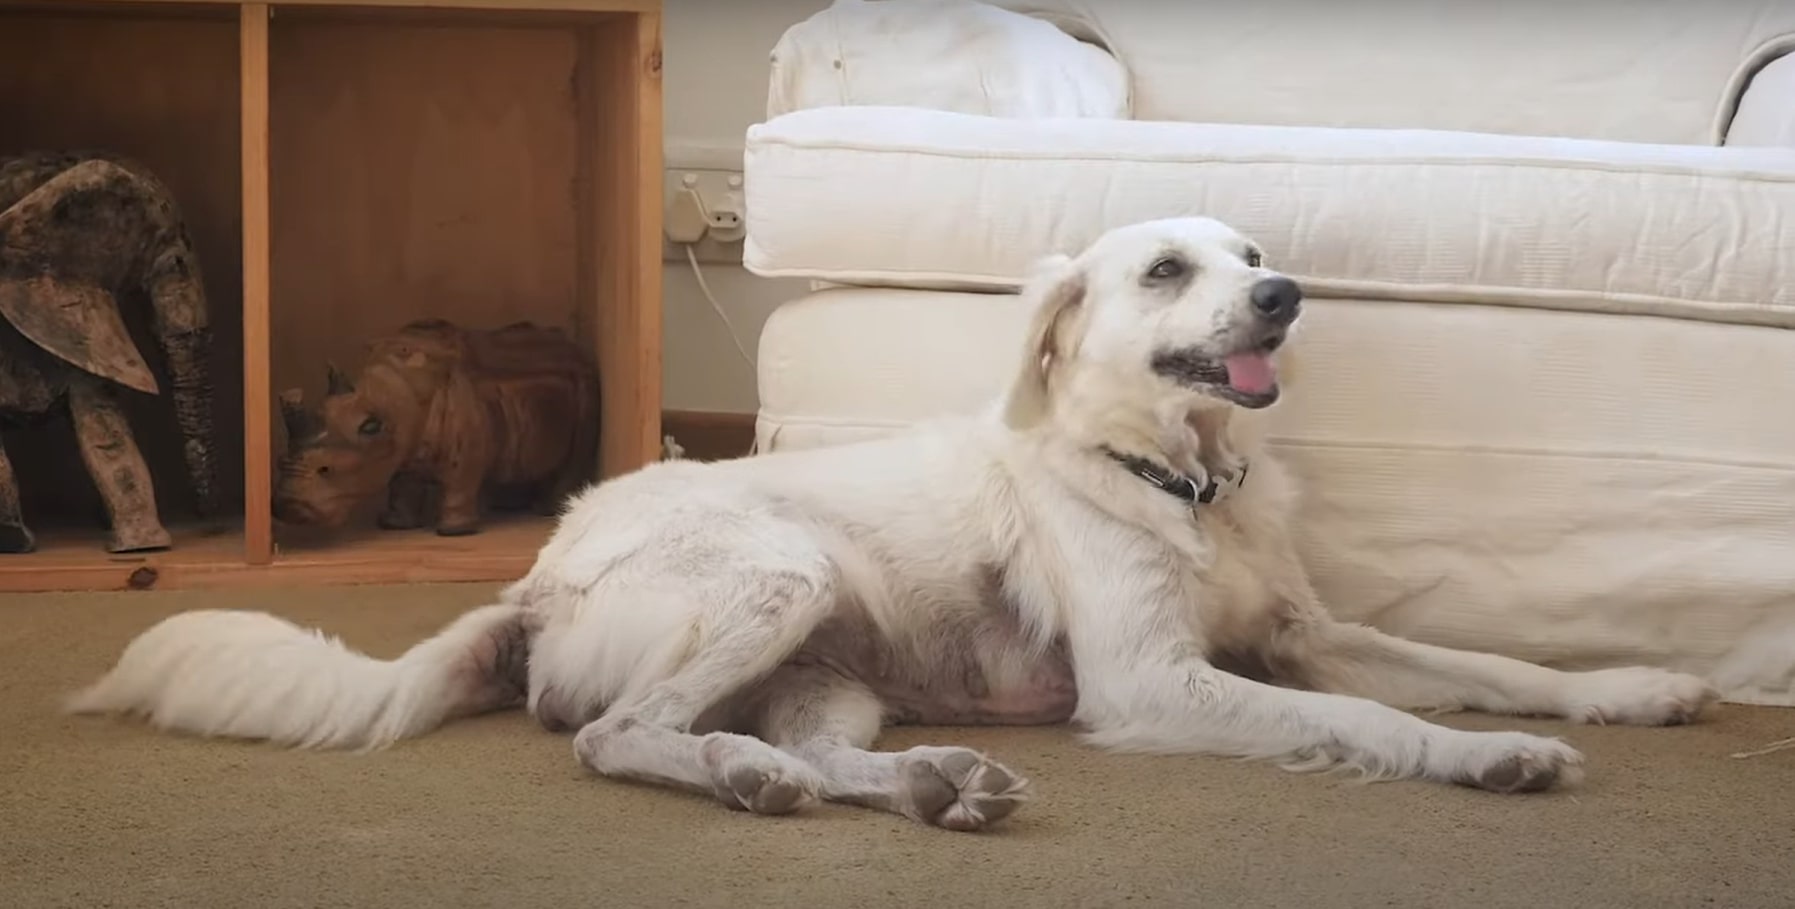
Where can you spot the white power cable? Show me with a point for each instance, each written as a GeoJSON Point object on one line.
{"type": "Point", "coordinates": [705, 288]}
{"type": "Point", "coordinates": [673, 448]}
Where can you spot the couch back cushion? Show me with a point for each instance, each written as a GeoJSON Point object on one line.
{"type": "Point", "coordinates": [962, 56]}
{"type": "Point", "coordinates": [1629, 70]}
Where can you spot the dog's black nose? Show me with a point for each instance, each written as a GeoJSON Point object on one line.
{"type": "Point", "coordinates": [1277, 299]}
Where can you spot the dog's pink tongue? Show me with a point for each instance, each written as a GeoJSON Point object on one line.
{"type": "Point", "coordinates": [1250, 372]}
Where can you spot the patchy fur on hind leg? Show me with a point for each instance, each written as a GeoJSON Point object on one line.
{"type": "Point", "coordinates": [497, 667]}
{"type": "Point", "coordinates": [753, 619]}
{"type": "Point", "coordinates": [830, 721]}
{"type": "Point", "coordinates": [557, 712]}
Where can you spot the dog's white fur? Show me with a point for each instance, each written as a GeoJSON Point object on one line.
{"type": "Point", "coordinates": [745, 628]}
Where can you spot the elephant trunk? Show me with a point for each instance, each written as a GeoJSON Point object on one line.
{"type": "Point", "coordinates": [183, 327]}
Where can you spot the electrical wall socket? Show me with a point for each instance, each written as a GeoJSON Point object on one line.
{"type": "Point", "coordinates": [720, 200]}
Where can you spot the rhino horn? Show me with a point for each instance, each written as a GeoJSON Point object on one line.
{"type": "Point", "coordinates": [336, 382]}
{"type": "Point", "coordinates": [293, 414]}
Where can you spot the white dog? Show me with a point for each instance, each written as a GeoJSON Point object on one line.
{"type": "Point", "coordinates": [1109, 546]}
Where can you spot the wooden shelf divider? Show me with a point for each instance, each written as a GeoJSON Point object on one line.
{"type": "Point", "coordinates": [258, 484]}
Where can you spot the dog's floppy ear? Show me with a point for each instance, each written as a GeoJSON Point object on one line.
{"type": "Point", "coordinates": [1058, 290]}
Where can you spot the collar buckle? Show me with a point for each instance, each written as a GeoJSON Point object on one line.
{"type": "Point", "coordinates": [1184, 487]}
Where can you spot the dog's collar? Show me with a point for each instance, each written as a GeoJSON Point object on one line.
{"type": "Point", "coordinates": [1187, 489]}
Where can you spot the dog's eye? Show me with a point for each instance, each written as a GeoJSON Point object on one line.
{"type": "Point", "coordinates": [370, 426]}
{"type": "Point", "coordinates": [1167, 267]}
{"type": "Point", "coordinates": [1253, 258]}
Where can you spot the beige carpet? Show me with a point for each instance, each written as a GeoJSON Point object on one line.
{"type": "Point", "coordinates": [495, 812]}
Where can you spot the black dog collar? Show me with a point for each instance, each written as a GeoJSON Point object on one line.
{"type": "Point", "coordinates": [1186, 489]}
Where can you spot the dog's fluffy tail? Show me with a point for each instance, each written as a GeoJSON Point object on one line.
{"type": "Point", "coordinates": [255, 676]}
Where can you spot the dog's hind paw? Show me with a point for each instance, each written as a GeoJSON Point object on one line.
{"type": "Point", "coordinates": [959, 789]}
{"type": "Point", "coordinates": [1637, 696]}
{"type": "Point", "coordinates": [758, 778]}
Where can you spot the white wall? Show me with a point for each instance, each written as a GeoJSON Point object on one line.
{"type": "Point", "coordinates": [715, 82]}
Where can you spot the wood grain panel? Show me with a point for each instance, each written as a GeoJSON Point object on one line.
{"type": "Point", "coordinates": [258, 490]}
{"type": "Point", "coordinates": [519, 7]}
{"type": "Point", "coordinates": [710, 435]}
{"type": "Point", "coordinates": [417, 171]}
{"type": "Point", "coordinates": [209, 558]}
{"type": "Point", "coordinates": [623, 87]}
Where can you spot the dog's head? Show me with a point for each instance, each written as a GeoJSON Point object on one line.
{"type": "Point", "coordinates": [1178, 314]}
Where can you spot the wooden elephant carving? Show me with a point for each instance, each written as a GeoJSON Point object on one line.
{"type": "Point", "coordinates": [444, 422]}
{"type": "Point", "coordinates": [77, 231]}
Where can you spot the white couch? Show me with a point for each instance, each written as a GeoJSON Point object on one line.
{"type": "Point", "coordinates": [1545, 402]}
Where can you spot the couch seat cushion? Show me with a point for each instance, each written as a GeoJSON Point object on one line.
{"type": "Point", "coordinates": [1558, 486]}
{"type": "Point", "coordinates": [924, 198]}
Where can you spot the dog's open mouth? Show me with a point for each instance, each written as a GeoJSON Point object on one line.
{"type": "Point", "coordinates": [1247, 376]}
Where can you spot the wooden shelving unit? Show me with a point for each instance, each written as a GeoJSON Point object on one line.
{"type": "Point", "coordinates": [346, 166]}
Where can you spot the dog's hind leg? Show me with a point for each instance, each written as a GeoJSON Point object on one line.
{"type": "Point", "coordinates": [1359, 660]}
{"type": "Point", "coordinates": [830, 721]}
{"type": "Point", "coordinates": [649, 736]}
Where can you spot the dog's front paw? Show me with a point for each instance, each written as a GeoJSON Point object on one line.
{"type": "Point", "coordinates": [1637, 696]}
{"type": "Point", "coordinates": [1515, 762]}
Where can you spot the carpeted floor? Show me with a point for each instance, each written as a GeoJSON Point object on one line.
{"type": "Point", "coordinates": [495, 812]}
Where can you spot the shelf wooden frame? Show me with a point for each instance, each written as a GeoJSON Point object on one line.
{"type": "Point", "coordinates": [587, 74]}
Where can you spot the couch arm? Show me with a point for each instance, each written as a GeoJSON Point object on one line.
{"type": "Point", "coordinates": [970, 58]}
{"type": "Point", "coordinates": [1766, 112]}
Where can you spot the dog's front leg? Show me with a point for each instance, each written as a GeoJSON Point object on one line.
{"type": "Point", "coordinates": [1326, 655]}
{"type": "Point", "coordinates": [1141, 691]}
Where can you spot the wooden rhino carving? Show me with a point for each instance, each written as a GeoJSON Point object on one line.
{"type": "Point", "coordinates": [444, 421]}
{"type": "Point", "coordinates": [77, 233]}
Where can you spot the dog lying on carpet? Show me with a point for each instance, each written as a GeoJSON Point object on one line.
{"type": "Point", "coordinates": [1109, 545]}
